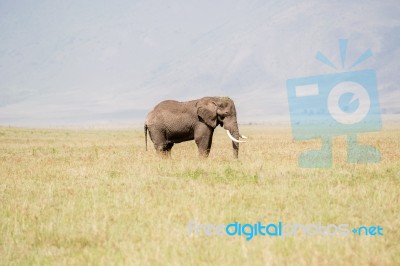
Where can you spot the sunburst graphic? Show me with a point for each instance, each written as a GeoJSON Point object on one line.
{"type": "Point", "coordinates": [343, 51]}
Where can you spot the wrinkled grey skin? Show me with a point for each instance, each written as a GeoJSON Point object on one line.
{"type": "Point", "coordinates": [173, 122]}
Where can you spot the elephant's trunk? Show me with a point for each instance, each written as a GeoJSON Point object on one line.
{"type": "Point", "coordinates": [229, 123]}
{"type": "Point", "coordinates": [234, 135]}
{"type": "Point", "coordinates": [235, 145]}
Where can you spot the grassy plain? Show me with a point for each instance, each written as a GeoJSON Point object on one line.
{"type": "Point", "coordinates": [77, 197]}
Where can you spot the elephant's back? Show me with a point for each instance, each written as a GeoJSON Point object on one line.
{"type": "Point", "coordinates": [167, 104]}
{"type": "Point", "coordinates": [174, 106]}
{"type": "Point", "coordinates": [171, 111]}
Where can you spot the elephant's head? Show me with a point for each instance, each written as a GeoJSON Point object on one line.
{"type": "Point", "coordinates": [221, 111]}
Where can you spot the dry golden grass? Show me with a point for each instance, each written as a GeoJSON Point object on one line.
{"type": "Point", "coordinates": [74, 197]}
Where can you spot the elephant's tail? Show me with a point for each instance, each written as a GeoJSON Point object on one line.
{"type": "Point", "coordinates": [145, 134]}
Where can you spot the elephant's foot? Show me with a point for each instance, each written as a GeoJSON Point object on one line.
{"type": "Point", "coordinates": [166, 154]}
{"type": "Point", "coordinates": [204, 154]}
{"type": "Point", "coordinates": [164, 150]}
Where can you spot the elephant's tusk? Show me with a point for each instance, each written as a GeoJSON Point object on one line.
{"type": "Point", "coordinates": [243, 136]}
{"type": "Point", "coordinates": [232, 138]}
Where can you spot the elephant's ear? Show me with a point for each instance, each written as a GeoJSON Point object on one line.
{"type": "Point", "coordinates": [207, 110]}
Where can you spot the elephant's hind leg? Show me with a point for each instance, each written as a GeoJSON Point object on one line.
{"type": "Point", "coordinates": [164, 149]}
{"type": "Point", "coordinates": [167, 149]}
{"type": "Point", "coordinates": [161, 144]}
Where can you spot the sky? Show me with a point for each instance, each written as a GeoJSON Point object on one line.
{"type": "Point", "coordinates": [109, 62]}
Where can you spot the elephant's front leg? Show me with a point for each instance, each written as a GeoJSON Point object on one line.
{"type": "Point", "coordinates": [203, 139]}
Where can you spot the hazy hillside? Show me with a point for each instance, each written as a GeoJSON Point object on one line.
{"type": "Point", "coordinates": [80, 63]}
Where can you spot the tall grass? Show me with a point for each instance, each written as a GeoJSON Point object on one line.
{"type": "Point", "coordinates": [96, 197]}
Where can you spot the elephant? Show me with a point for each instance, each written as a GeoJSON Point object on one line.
{"type": "Point", "coordinates": [173, 122]}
